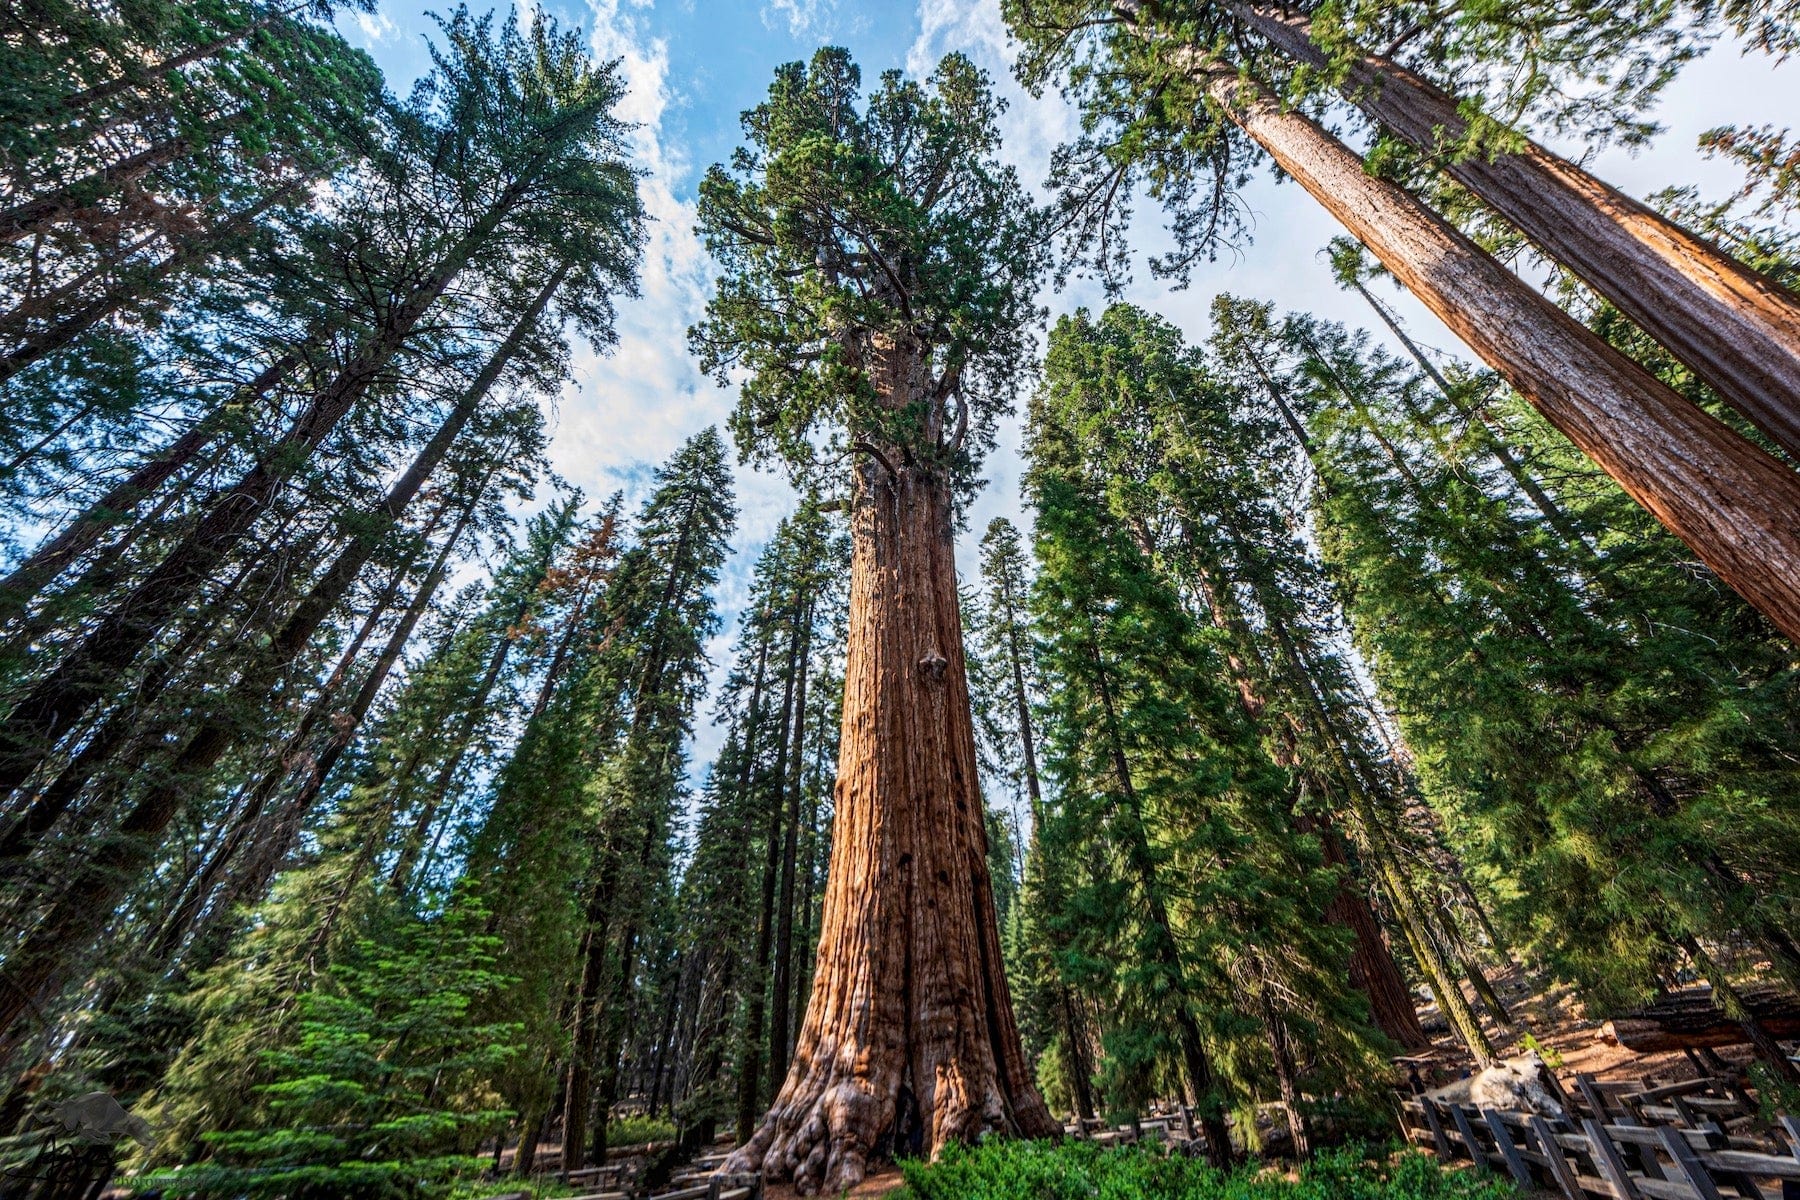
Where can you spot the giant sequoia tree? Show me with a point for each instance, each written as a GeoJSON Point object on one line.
{"type": "Point", "coordinates": [876, 289]}
{"type": "Point", "coordinates": [1162, 104]}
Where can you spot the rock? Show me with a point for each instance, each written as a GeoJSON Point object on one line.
{"type": "Point", "coordinates": [1511, 1083]}
{"type": "Point", "coordinates": [96, 1119]}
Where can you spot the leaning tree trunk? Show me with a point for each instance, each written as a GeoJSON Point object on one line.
{"type": "Point", "coordinates": [1739, 331]}
{"type": "Point", "coordinates": [40, 719]}
{"type": "Point", "coordinates": [84, 532]}
{"type": "Point", "coordinates": [1733, 504]}
{"type": "Point", "coordinates": [908, 991]}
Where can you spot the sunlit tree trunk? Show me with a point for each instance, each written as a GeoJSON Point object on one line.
{"type": "Point", "coordinates": [1739, 331]}
{"type": "Point", "coordinates": [1733, 504]}
{"type": "Point", "coordinates": [908, 993]}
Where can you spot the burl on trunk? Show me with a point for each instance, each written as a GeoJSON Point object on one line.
{"type": "Point", "coordinates": [909, 1040]}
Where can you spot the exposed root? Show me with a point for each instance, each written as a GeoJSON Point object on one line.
{"type": "Point", "coordinates": [821, 1146]}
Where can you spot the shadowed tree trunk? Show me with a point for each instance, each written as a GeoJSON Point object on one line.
{"type": "Point", "coordinates": [43, 961]}
{"type": "Point", "coordinates": [41, 718]}
{"type": "Point", "coordinates": [1739, 331]}
{"type": "Point", "coordinates": [1373, 970]}
{"type": "Point", "coordinates": [68, 322]}
{"type": "Point", "coordinates": [750, 1050]}
{"type": "Point", "coordinates": [780, 1024]}
{"type": "Point", "coordinates": [909, 1009]}
{"type": "Point", "coordinates": [85, 531]}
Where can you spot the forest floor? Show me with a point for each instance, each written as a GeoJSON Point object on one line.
{"type": "Point", "coordinates": [1550, 1016]}
{"type": "Point", "coordinates": [1565, 1035]}
{"type": "Point", "coordinates": [883, 1182]}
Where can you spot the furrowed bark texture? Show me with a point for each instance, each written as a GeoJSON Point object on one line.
{"type": "Point", "coordinates": [1733, 504]}
{"type": "Point", "coordinates": [1373, 971]}
{"type": "Point", "coordinates": [1737, 330]}
{"type": "Point", "coordinates": [908, 990]}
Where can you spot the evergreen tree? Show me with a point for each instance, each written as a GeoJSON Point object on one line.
{"type": "Point", "coordinates": [1585, 803]}
{"type": "Point", "coordinates": [383, 1088]}
{"type": "Point", "coordinates": [1163, 102]}
{"type": "Point", "coordinates": [639, 695]}
{"type": "Point", "coordinates": [562, 206]}
{"type": "Point", "coordinates": [878, 266]}
{"type": "Point", "coordinates": [1160, 778]}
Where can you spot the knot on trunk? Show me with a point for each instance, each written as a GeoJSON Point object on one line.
{"type": "Point", "coordinates": [933, 664]}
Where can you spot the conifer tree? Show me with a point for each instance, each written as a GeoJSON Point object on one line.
{"type": "Point", "coordinates": [1152, 746]}
{"type": "Point", "coordinates": [1160, 102]}
{"type": "Point", "coordinates": [877, 272]}
{"type": "Point", "coordinates": [548, 108]}
{"type": "Point", "coordinates": [642, 686]}
{"type": "Point", "coordinates": [559, 192]}
{"type": "Point", "coordinates": [1601, 858]}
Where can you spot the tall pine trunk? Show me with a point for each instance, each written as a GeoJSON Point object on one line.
{"type": "Point", "coordinates": [68, 322]}
{"type": "Point", "coordinates": [908, 993]}
{"type": "Point", "coordinates": [780, 1025]}
{"type": "Point", "coordinates": [40, 719]}
{"type": "Point", "coordinates": [44, 961]}
{"type": "Point", "coordinates": [1372, 968]}
{"type": "Point", "coordinates": [85, 531]}
{"type": "Point", "coordinates": [1739, 331]}
{"type": "Point", "coordinates": [750, 1051]}
{"type": "Point", "coordinates": [1732, 503]}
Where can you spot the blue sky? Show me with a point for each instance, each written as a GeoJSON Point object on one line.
{"type": "Point", "coordinates": [694, 65]}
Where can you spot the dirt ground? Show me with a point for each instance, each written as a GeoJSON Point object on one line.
{"type": "Point", "coordinates": [1556, 1020]}
{"type": "Point", "coordinates": [881, 1183]}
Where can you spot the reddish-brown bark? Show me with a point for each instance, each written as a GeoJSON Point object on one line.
{"type": "Point", "coordinates": [1731, 502]}
{"type": "Point", "coordinates": [909, 1004]}
{"type": "Point", "coordinates": [1738, 330]}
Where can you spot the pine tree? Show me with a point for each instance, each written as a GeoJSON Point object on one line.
{"type": "Point", "coordinates": [383, 1088]}
{"type": "Point", "coordinates": [643, 685]}
{"type": "Point", "coordinates": [1572, 787]}
{"type": "Point", "coordinates": [548, 110]}
{"type": "Point", "coordinates": [1160, 777]}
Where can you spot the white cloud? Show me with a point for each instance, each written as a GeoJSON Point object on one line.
{"type": "Point", "coordinates": [376, 26]}
{"type": "Point", "coordinates": [634, 406]}
{"type": "Point", "coordinates": [803, 18]}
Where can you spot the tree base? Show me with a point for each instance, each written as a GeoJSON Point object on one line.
{"type": "Point", "coordinates": [827, 1140]}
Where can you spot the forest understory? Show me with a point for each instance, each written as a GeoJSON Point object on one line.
{"type": "Point", "coordinates": [1337, 729]}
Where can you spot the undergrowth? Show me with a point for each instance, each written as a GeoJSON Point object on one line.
{"type": "Point", "coordinates": [636, 1130]}
{"type": "Point", "coordinates": [1011, 1170]}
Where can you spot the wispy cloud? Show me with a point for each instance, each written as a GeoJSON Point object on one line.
{"type": "Point", "coordinates": [376, 26]}
{"type": "Point", "coordinates": [803, 18]}
{"type": "Point", "coordinates": [635, 405]}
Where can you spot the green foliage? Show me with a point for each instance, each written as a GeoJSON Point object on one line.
{"type": "Point", "coordinates": [1185, 893]}
{"type": "Point", "coordinates": [1599, 725]}
{"type": "Point", "coordinates": [1076, 1170]}
{"type": "Point", "coordinates": [1775, 1097]}
{"type": "Point", "coordinates": [853, 226]}
{"type": "Point", "coordinates": [382, 1089]}
{"type": "Point", "coordinates": [636, 1131]}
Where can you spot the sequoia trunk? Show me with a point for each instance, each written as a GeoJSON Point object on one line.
{"type": "Point", "coordinates": [1737, 330]}
{"type": "Point", "coordinates": [1731, 502]}
{"type": "Point", "coordinates": [909, 1036]}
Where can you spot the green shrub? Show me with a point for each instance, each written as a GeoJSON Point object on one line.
{"type": "Point", "coordinates": [1074, 1170]}
{"type": "Point", "coordinates": [1777, 1098]}
{"type": "Point", "coordinates": [636, 1130]}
